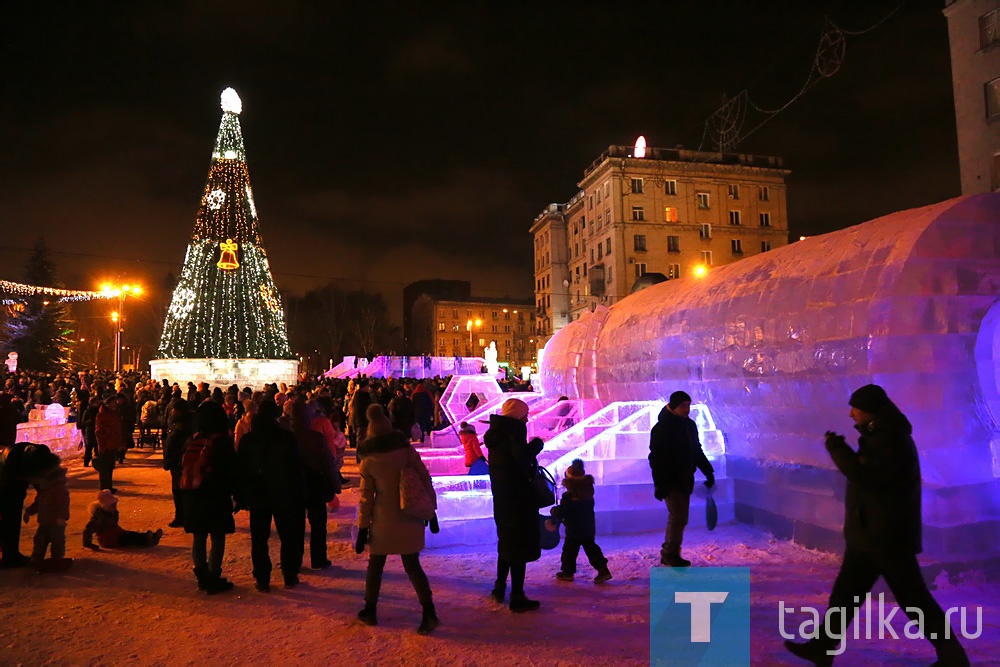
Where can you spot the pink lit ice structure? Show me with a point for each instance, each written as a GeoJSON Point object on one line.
{"type": "Point", "coordinates": [456, 396]}
{"type": "Point", "coordinates": [411, 367]}
{"type": "Point", "coordinates": [775, 343]}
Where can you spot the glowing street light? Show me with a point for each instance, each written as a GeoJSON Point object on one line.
{"type": "Point", "coordinates": [468, 327]}
{"type": "Point", "coordinates": [700, 270]}
{"type": "Point", "coordinates": [120, 291]}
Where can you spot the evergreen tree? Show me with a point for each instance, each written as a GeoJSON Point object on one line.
{"type": "Point", "coordinates": [225, 305]}
{"type": "Point", "coordinates": [38, 328]}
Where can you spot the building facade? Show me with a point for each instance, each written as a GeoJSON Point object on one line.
{"type": "Point", "coordinates": [456, 290]}
{"type": "Point", "coordinates": [975, 73]}
{"type": "Point", "coordinates": [673, 212]}
{"type": "Point", "coordinates": [464, 328]}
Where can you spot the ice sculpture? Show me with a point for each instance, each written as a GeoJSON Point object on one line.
{"type": "Point", "coordinates": [411, 367]}
{"type": "Point", "coordinates": [457, 400]}
{"type": "Point", "coordinates": [775, 343]}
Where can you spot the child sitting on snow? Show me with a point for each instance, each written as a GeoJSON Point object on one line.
{"type": "Point", "coordinates": [104, 523]}
{"type": "Point", "coordinates": [576, 510]}
{"type": "Point", "coordinates": [51, 504]}
{"type": "Point", "coordinates": [474, 459]}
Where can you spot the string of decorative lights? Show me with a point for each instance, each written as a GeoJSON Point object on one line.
{"type": "Point", "coordinates": [725, 126]}
{"type": "Point", "coordinates": [21, 290]}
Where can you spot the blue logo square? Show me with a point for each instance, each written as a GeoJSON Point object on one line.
{"type": "Point", "coordinates": [699, 616]}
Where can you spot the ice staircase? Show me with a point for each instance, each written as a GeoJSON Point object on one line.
{"type": "Point", "coordinates": [613, 442]}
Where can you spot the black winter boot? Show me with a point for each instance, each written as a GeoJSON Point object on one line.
{"type": "Point", "coordinates": [201, 574]}
{"type": "Point", "coordinates": [429, 620]}
{"type": "Point", "coordinates": [217, 583]}
{"type": "Point", "coordinates": [499, 592]}
{"type": "Point", "coordinates": [367, 615]}
{"type": "Point", "coordinates": [520, 604]}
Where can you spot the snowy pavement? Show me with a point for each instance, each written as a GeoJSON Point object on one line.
{"type": "Point", "coordinates": [142, 606]}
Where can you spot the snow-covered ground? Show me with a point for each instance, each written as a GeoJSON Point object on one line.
{"type": "Point", "coordinates": [142, 606]}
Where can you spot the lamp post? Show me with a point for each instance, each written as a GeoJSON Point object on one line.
{"type": "Point", "coordinates": [468, 326]}
{"type": "Point", "coordinates": [120, 291]}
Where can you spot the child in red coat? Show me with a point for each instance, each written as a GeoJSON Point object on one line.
{"type": "Point", "coordinates": [104, 523]}
{"type": "Point", "coordinates": [474, 459]}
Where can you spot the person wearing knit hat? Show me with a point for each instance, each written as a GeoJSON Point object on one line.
{"type": "Point", "coordinates": [882, 528]}
{"type": "Point", "coordinates": [576, 511]}
{"type": "Point", "coordinates": [674, 454]}
{"type": "Point", "coordinates": [512, 458]}
{"type": "Point", "coordinates": [104, 524]}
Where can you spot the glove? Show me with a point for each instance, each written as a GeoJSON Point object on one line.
{"type": "Point", "coordinates": [435, 528]}
{"type": "Point", "coordinates": [658, 493]}
{"type": "Point", "coordinates": [359, 545]}
{"type": "Point", "coordinates": [709, 480]}
{"type": "Point", "coordinates": [833, 439]}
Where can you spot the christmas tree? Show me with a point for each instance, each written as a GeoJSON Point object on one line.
{"type": "Point", "coordinates": [38, 327]}
{"type": "Point", "coordinates": [225, 305]}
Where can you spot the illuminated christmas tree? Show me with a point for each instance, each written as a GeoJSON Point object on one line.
{"type": "Point", "coordinates": [225, 305]}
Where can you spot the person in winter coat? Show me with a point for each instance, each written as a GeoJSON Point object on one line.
{"type": "Point", "coordinates": [382, 525]}
{"type": "Point", "coordinates": [181, 430]}
{"type": "Point", "coordinates": [423, 408]}
{"type": "Point", "coordinates": [882, 529]}
{"type": "Point", "coordinates": [272, 486]}
{"type": "Point", "coordinates": [88, 425]}
{"type": "Point", "coordinates": [322, 481]}
{"type": "Point", "coordinates": [208, 509]}
{"type": "Point", "coordinates": [104, 524]}
{"type": "Point", "coordinates": [576, 511]}
{"type": "Point", "coordinates": [51, 505]}
{"type": "Point", "coordinates": [111, 444]}
{"type": "Point", "coordinates": [360, 401]}
{"type": "Point", "coordinates": [512, 461]}
{"type": "Point", "coordinates": [19, 462]}
{"type": "Point", "coordinates": [674, 454]}
{"type": "Point", "coordinates": [473, 450]}
{"type": "Point", "coordinates": [401, 412]}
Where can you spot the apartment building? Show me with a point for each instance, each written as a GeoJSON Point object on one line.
{"type": "Point", "coordinates": [463, 328]}
{"type": "Point", "coordinates": [975, 71]}
{"type": "Point", "coordinates": [673, 212]}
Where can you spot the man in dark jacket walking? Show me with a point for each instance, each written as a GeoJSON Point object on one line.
{"type": "Point", "coordinates": [882, 527]}
{"type": "Point", "coordinates": [674, 454]}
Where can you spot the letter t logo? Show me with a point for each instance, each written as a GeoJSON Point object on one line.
{"type": "Point", "coordinates": [701, 611]}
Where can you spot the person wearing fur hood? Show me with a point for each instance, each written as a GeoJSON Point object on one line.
{"type": "Point", "coordinates": [104, 523]}
{"type": "Point", "coordinates": [576, 511]}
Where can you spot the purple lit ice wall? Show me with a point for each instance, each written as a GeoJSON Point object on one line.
{"type": "Point", "coordinates": [774, 344]}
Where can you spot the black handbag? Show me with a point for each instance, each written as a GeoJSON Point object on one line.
{"type": "Point", "coordinates": [543, 487]}
{"type": "Point", "coordinates": [548, 538]}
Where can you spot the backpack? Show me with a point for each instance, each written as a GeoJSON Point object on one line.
{"type": "Point", "coordinates": [196, 462]}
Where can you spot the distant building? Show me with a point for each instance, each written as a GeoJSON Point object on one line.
{"type": "Point", "coordinates": [441, 289]}
{"type": "Point", "coordinates": [674, 211]}
{"type": "Point", "coordinates": [975, 74]}
{"type": "Point", "coordinates": [463, 328]}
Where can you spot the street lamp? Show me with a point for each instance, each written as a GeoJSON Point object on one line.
{"type": "Point", "coordinates": [468, 327]}
{"type": "Point", "coordinates": [118, 316]}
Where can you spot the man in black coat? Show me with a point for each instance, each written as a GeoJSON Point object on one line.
{"type": "Point", "coordinates": [272, 486]}
{"type": "Point", "coordinates": [674, 454]}
{"type": "Point", "coordinates": [512, 462]}
{"type": "Point", "coordinates": [18, 462]}
{"type": "Point", "coordinates": [882, 528]}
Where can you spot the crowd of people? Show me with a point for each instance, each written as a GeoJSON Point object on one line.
{"type": "Point", "coordinates": [278, 453]}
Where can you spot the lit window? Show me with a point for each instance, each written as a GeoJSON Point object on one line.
{"type": "Point", "coordinates": [637, 186]}
{"type": "Point", "coordinates": [993, 98]}
{"type": "Point", "coordinates": [765, 219]}
{"type": "Point", "coordinates": [670, 213]}
{"type": "Point", "coordinates": [988, 28]}
{"type": "Point", "coordinates": [673, 271]}
{"type": "Point", "coordinates": [440, 326]}
{"type": "Point", "coordinates": [637, 213]}
{"type": "Point", "coordinates": [703, 200]}
{"type": "Point", "coordinates": [670, 188]}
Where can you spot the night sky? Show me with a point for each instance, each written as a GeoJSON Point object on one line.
{"type": "Point", "coordinates": [387, 145]}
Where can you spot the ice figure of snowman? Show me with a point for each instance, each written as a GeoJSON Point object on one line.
{"type": "Point", "coordinates": [490, 354]}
